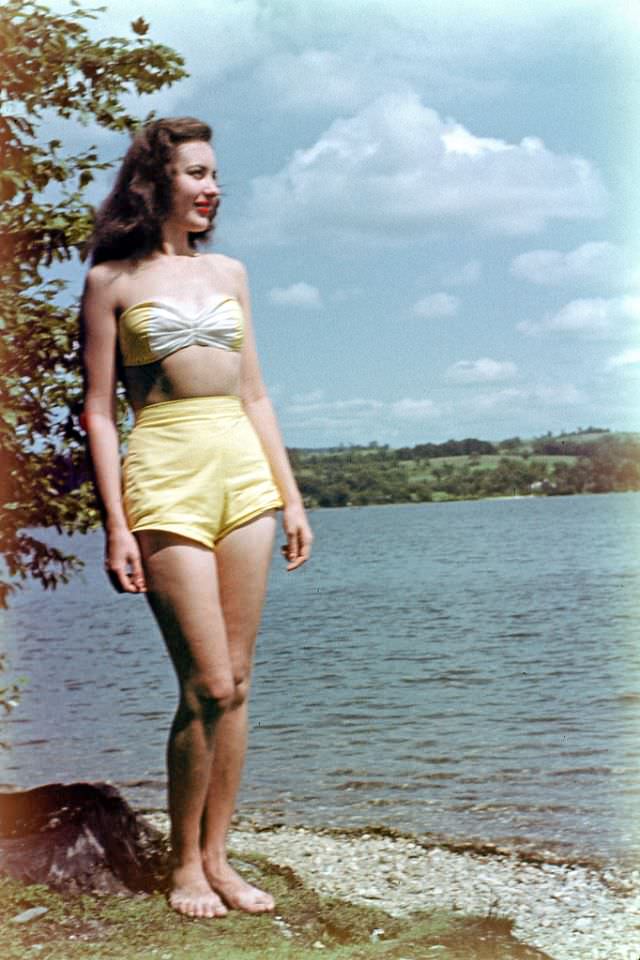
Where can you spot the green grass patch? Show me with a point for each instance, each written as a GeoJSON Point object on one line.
{"type": "Point", "coordinates": [485, 461]}
{"type": "Point", "coordinates": [306, 926]}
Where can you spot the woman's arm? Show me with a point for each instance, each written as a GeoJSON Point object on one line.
{"type": "Point", "coordinates": [260, 411]}
{"type": "Point", "coordinates": [99, 359]}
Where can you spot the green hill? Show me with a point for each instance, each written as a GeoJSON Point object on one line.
{"type": "Point", "coordinates": [586, 461]}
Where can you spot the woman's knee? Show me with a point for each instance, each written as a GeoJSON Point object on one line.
{"type": "Point", "coordinates": [240, 689]}
{"type": "Point", "coordinates": [207, 698]}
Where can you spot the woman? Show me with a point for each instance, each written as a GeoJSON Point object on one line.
{"type": "Point", "coordinates": [191, 522]}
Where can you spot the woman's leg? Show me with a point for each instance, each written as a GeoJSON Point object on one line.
{"type": "Point", "coordinates": [184, 594]}
{"type": "Point", "coordinates": [243, 559]}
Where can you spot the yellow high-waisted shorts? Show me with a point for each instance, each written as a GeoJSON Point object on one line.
{"type": "Point", "coordinates": [195, 467]}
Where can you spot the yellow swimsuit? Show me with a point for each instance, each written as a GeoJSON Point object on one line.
{"type": "Point", "coordinates": [194, 467]}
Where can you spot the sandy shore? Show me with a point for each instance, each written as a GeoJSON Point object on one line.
{"type": "Point", "coordinates": [570, 911]}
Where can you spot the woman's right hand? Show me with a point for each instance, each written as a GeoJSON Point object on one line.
{"type": "Point", "coordinates": [297, 549]}
{"type": "Point", "coordinates": [123, 563]}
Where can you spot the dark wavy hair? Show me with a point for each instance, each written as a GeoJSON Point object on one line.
{"type": "Point", "coordinates": [129, 223]}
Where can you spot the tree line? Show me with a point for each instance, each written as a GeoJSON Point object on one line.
{"type": "Point", "coordinates": [468, 469]}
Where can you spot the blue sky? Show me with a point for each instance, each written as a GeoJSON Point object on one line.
{"type": "Point", "coordinates": [436, 203]}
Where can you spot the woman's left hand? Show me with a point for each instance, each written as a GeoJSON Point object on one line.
{"type": "Point", "coordinates": [297, 549]}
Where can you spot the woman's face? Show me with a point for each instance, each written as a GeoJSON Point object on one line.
{"type": "Point", "coordinates": [195, 194]}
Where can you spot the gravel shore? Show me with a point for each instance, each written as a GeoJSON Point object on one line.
{"type": "Point", "coordinates": [569, 911]}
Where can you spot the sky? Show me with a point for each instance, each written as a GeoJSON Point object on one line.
{"type": "Point", "coordinates": [436, 203]}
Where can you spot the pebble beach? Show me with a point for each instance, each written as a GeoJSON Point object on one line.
{"type": "Point", "coordinates": [569, 911]}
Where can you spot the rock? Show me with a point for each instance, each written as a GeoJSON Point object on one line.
{"type": "Point", "coordinates": [32, 914]}
{"type": "Point", "coordinates": [79, 837]}
{"type": "Point", "coordinates": [369, 893]}
{"type": "Point", "coordinates": [283, 927]}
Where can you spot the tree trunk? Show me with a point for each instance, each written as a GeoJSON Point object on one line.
{"type": "Point", "coordinates": [79, 837]}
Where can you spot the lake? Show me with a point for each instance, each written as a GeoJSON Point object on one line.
{"type": "Point", "coordinates": [464, 669]}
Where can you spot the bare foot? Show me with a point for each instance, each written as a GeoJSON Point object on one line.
{"type": "Point", "coordinates": [192, 896]}
{"type": "Point", "coordinates": [236, 893]}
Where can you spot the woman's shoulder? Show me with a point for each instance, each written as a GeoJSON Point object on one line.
{"type": "Point", "coordinates": [227, 272]}
{"type": "Point", "coordinates": [221, 262]}
{"type": "Point", "coordinates": [105, 273]}
{"type": "Point", "coordinates": [105, 283]}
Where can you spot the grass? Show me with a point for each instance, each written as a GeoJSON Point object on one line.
{"type": "Point", "coordinates": [485, 461]}
{"type": "Point", "coordinates": [308, 927]}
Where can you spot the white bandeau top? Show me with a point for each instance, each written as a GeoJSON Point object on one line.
{"type": "Point", "coordinates": [153, 329]}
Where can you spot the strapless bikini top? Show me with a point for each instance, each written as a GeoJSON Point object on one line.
{"type": "Point", "coordinates": [153, 329]}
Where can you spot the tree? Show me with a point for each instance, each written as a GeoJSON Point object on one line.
{"type": "Point", "coordinates": [52, 68]}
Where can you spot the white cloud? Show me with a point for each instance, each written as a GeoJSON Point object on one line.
{"type": "Point", "coordinates": [436, 305]}
{"type": "Point", "coordinates": [458, 140]}
{"type": "Point", "coordinates": [332, 54]}
{"type": "Point", "coordinates": [465, 275]}
{"type": "Point", "coordinates": [396, 168]}
{"type": "Point", "coordinates": [319, 57]}
{"type": "Point", "coordinates": [506, 397]}
{"type": "Point", "coordinates": [596, 262]}
{"type": "Point", "coordinates": [627, 358]}
{"type": "Point", "coordinates": [596, 317]}
{"type": "Point", "coordinates": [314, 396]}
{"type": "Point", "coordinates": [315, 411]}
{"type": "Point", "coordinates": [523, 399]}
{"type": "Point", "coordinates": [313, 79]}
{"type": "Point", "coordinates": [564, 394]}
{"type": "Point", "coordinates": [408, 409]}
{"type": "Point", "coordinates": [484, 370]}
{"type": "Point", "coordinates": [296, 295]}
{"type": "Point", "coordinates": [354, 407]}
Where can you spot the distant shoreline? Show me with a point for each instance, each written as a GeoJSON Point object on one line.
{"type": "Point", "coordinates": [435, 502]}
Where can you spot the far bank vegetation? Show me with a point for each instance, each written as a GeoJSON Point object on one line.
{"type": "Point", "coordinates": [589, 460]}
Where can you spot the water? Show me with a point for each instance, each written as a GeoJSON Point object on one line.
{"type": "Point", "coordinates": [462, 669]}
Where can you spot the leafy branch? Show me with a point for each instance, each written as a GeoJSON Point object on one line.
{"type": "Point", "coordinates": [52, 69]}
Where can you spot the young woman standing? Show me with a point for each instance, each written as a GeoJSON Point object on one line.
{"type": "Point", "coordinates": [190, 519]}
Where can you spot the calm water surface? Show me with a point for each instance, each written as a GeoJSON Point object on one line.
{"type": "Point", "coordinates": [468, 669]}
